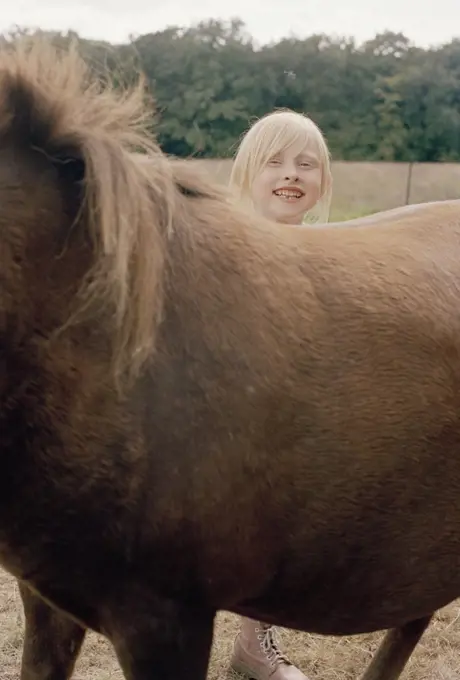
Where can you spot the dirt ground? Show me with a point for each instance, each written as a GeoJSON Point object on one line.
{"type": "Point", "coordinates": [437, 656]}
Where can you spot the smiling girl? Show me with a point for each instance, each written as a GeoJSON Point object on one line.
{"type": "Point", "coordinates": [282, 170]}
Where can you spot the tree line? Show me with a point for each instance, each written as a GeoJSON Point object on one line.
{"type": "Point", "coordinates": [385, 99]}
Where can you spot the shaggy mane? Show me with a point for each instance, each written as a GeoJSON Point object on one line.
{"type": "Point", "coordinates": [50, 102]}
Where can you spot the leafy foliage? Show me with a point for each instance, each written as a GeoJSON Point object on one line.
{"type": "Point", "coordinates": [383, 100]}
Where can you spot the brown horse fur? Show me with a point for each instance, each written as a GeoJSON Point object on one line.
{"type": "Point", "coordinates": [203, 410]}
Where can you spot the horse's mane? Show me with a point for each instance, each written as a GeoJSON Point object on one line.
{"type": "Point", "coordinates": [49, 102]}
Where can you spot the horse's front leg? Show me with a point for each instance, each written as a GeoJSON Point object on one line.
{"type": "Point", "coordinates": [164, 641]}
{"type": "Point", "coordinates": [52, 641]}
{"type": "Point", "coordinates": [395, 651]}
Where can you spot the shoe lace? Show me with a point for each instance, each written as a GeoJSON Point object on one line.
{"type": "Point", "coordinates": [268, 639]}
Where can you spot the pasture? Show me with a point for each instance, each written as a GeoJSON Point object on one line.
{"type": "Point", "coordinates": [437, 656]}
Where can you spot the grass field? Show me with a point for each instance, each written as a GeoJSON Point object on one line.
{"type": "Point", "coordinates": [436, 658]}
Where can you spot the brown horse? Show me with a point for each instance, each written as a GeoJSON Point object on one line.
{"type": "Point", "coordinates": [203, 410]}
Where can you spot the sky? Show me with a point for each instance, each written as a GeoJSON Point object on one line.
{"type": "Point", "coordinates": [426, 23]}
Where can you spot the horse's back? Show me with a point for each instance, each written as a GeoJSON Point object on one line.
{"type": "Point", "coordinates": [392, 215]}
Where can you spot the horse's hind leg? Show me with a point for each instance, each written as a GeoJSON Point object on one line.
{"type": "Point", "coordinates": [395, 651]}
{"type": "Point", "coordinates": [52, 642]}
{"type": "Point", "coordinates": [163, 643]}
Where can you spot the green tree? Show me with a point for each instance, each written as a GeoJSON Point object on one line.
{"type": "Point", "coordinates": [383, 100]}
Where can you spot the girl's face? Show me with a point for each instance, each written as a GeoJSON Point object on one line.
{"type": "Point", "coordinates": [288, 185]}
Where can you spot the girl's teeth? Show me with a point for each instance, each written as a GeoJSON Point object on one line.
{"type": "Point", "coordinates": [288, 194]}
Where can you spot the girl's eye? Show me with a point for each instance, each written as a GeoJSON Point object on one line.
{"type": "Point", "coordinates": [273, 161]}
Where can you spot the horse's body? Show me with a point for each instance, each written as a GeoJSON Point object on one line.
{"type": "Point", "coordinates": [202, 410]}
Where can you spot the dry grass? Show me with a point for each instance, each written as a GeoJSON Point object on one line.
{"type": "Point", "coordinates": [436, 658]}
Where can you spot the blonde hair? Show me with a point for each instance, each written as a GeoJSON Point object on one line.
{"type": "Point", "coordinates": [127, 205]}
{"type": "Point", "coordinates": [267, 137]}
